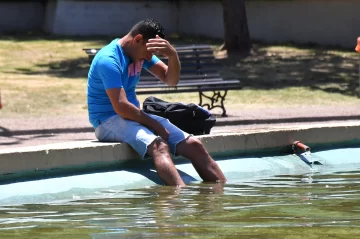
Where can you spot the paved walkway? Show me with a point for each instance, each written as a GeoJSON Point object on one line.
{"type": "Point", "coordinates": [21, 132]}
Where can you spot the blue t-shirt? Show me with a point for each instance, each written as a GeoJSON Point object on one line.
{"type": "Point", "coordinates": [111, 68]}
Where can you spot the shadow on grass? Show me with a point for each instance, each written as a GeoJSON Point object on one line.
{"type": "Point", "coordinates": [41, 36]}
{"type": "Point", "coordinates": [77, 67]}
{"type": "Point", "coordinates": [69, 68]}
{"type": "Point", "coordinates": [275, 66]}
{"type": "Point", "coordinates": [329, 70]}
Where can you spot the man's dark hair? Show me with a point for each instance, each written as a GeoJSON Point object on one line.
{"type": "Point", "coordinates": [148, 28]}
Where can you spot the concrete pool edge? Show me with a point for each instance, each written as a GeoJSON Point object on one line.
{"type": "Point", "coordinates": [72, 157]}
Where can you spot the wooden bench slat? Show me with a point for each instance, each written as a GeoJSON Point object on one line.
{"type": "Point", "coordinates": [188, 72]}
{"type": "Point", "coordinates": [195, 72]}
{"type": "Point", "coordinates": [183, 77]}
{"type": "Point", "coordinates": [193, 83]}
{"type": "Point", "coordinates": [202, 71]}
{"type": "Point", "coordinates": [193, 58]}
{"type": "Point", "coordinates": [204, 65]}
{"type": "Point", "coordinates": [194, 53]}
{"type": "Point", "coordinates": [195, 65]}
{"type": "Point", "coordinates": [183, 60]}
{"type": "Point", "coordinates": [178, 48]}
{"type": "Point", "coordinates": [183, 90]}
{"type": "Point", "coordinates": [200, 82]}
{"type": "Point", "coordinates": [199, 79]}
{"type": "Point", "coordinates": [190, 47]}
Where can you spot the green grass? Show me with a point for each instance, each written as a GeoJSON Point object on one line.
{"type": "Point", "coordinates": [41, 74]}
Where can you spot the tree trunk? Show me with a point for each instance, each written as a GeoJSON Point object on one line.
{"type": "Point", "coordinates": [237, 36]}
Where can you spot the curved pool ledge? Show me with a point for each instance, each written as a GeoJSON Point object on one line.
{"type": "Point", "coordinates": [115, 184]}
{"type": "Point", "coordinates": [80, 157]}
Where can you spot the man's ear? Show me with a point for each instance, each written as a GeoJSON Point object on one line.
{"type": "Point", "coordinates": [138, 38]}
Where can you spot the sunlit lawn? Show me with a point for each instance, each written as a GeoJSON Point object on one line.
{"type": "Point", "coordinates": [45, 75]}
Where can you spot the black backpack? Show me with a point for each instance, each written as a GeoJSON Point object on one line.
{"type": "Point", "coordinates": [191, 118]}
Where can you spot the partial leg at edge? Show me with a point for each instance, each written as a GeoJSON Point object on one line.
{"type": "Point", "coordinates": [159, 151]}
{"type": "Point", "coordinates": [193, 149]}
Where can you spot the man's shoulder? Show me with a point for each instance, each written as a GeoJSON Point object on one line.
{"type": "Point", "coordinates": [111, 53]}
{"type": "Point", "coordinates": [107, 50]}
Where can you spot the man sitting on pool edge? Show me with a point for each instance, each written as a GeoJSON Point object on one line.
{"type": "Point", "coordinates": [115, 112]}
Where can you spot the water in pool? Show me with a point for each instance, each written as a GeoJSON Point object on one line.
{"type": "Point", "coordinates": [320, 203]}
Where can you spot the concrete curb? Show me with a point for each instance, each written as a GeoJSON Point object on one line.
{"type": "Point", "coordinates": [54, 158]}
{"type": "Point", "coordinates": [8, 133]}
{"type": "Point", "coordinates": [219, 122]}
{"type": "Point", "coordinates": [286, 120]}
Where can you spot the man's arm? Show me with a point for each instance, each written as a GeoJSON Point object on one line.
{"type": "Point", "coordinates": [169, 74]}
{"type": "Point", "coordinates": [129, 111]}
{"type": "Point", "coordinates": [110, 73]}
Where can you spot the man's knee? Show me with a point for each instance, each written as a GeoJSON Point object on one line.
{"type": "Point", "coordinates": [191, 145]}
{"type": "Point", "coordinates": [158, 146]}
{"type": "Point", "coordinates": [195, 142]}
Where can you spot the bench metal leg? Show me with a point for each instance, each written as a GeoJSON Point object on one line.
{"type": "Point", "coordinates": [217, 100]}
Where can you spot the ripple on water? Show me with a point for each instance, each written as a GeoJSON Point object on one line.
{"type": "Point", "coordinates": [279, 206]}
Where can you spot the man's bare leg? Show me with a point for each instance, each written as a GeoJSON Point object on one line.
{"type": "Point", "coordinates": [193, 149]}
{"type": "Point", "coordinates": [165, 167]}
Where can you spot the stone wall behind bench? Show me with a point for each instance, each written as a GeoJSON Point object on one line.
{"type": "Point", "coordinates": [21, 16]}
{"type": "Point", "coordinates": [325, 22]}
{"type": "Point", "coordinates": [69, 17]}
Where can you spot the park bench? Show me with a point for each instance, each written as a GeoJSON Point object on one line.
{"type": "Point", "coordinates": [199, 73]}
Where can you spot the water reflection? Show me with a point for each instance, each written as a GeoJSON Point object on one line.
{"type": "Point", "coordinates": [316, 205]}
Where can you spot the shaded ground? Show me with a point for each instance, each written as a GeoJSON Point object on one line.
{"type": "Point", "coordinates": [274, 67]}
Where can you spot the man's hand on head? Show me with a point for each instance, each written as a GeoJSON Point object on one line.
{"type": "Point", "coordinates": [159, 46]}
{"type": "Point", "coordinates": [170, 73]}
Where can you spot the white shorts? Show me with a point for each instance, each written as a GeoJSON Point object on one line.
{"type": "Point", "coordinates": [139, 137]}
